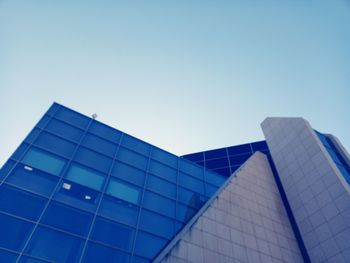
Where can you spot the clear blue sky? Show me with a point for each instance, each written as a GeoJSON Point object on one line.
{"type": "Point", "coordinates": [183, 75]}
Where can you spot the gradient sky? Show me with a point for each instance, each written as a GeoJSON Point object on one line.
{"type": "Point", "coordinates": [183, 75]}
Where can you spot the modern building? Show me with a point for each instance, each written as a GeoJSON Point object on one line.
{"type": "Point", "coordinates": [77, 190]}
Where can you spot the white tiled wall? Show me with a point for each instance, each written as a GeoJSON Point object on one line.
{"type": "Point", "coordinates": [246, 223]}
{"type": "Point", "coordinates": [318, 194]}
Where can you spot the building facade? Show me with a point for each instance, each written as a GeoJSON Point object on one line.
{"type": "Point", "coordinates": [77, 190]}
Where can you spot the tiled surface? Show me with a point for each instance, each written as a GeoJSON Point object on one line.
{"type": "Point", "coordinates": [245, 223]}
{"type": "Point", "coordinates": [315, 188]}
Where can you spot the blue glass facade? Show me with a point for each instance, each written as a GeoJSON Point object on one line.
{"type": "Point", "coordinates": [77, 190]}
{"type": "Point", "coordinates": [226, 161]}
{"type": "Point", "coordinates": [335, 155]}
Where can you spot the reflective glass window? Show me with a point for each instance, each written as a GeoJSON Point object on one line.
{"type": "Point", "coordinates": [217, 153]}
{"type": "Point", "coordinates": [195, 157]}
{"type": "Point", "coordinates": [99, 145]}
{"type": "Point", "coordinates": [33, 180]}
{"type": "Point", "coordinates": [217, 163]}
{"type": "Point", "coordinates": [161, 186]}
{"type": "Point", "coordinates": [215, 179]}
{"type": "Point", "coordinates": [6, 168]}
{"type": "Point", "coordinates": [67, 218]}
{"type": "Point", "coordinates": [128, 173]}
{"type": "Point", "coordinates": [226, 171]}
{"type": "Point", "coordinates": [163, 171]}
{"type": "Point", "coordinates": [65, 130]}
{"type": "Point", "coordinates": [159, 204]}
{"type": "Point", "coordinates": [164, 157]}
{"type": "Point", "coordinates": [191, 168]}
{"type": "Point", "coordinates": [21, 203]}
{"type": "Point", "coordinates": [239, 159]}
{"type": "Point", "coordinates": [43, 122]}
{"type": "Point", "coordinates": [32, 136]}
{"type": "Point", "coordinates": [99, 253]}
{"type": "Point", "coordinates": [156, 224]}
{"type": "Point", "coordinates": [118, 210]}
{"type": "Point", "coordinates": [54, 246]}
{"type": "Point", "coordinates": [72, 117]}
{"type": "Point", "coordinates": [240, 149]}
{"type": "Point", "coordinates": [192, 183]}
{"type": "Point", "coordinates": [105, 131]}
{"type": "Point", "coordinates": [26, 259]}
{"type": "Point", "coordinates": [93, 159]}
{"type": "Point", "coordinates": [154, 245]}
{"type": "Point", "coordinates": [55, 144]}
{"type": "Point", "coordinates": [185, 213]}
{"type": "Point", "coordinates": [77, 195]}
{"type": "Point", "coordinates": [135, 144]}
{"type": "Point", "coordinates": [7, 257]}
{"type": "Point", "coordinates": [190, 198]}
{"type": "Point", "coordinates": [17, 155]}
{"type": "Point", "coordinates": [132, 158]}
{"type": "Point", "coordinates": [14, 232]}
{"type": "Point", "coordinates": [53, 109]}
{"type": "Point", "coordinates": [44, 161]}
{"type": "Point", "coordinates": [259, 146]}
{"type": "Point", "coordinates": [86, 177]}
{"type": "Point", "coordinates": [112, 233]}
{"type": "Point", "coordinates": [123, 191]}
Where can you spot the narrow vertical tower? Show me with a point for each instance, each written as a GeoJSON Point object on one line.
{"type": "Point", "coordinates": [314, 171]}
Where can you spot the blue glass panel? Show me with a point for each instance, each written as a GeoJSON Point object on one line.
{"type": "Point", "coordinates": [32, 136]}
{"type": "Point", "coordinates": [35, 180]}
{"type": "Point", "coordinates": [67, 218]}
{"type": "Point", "coordinates": [7, 257]}
{"type": "Point", "coordinates": [136, 259]}
{"type": "Point", "coordinates": [99, 145]}
{"type": "Point", "coordinates": [259, 146]}
{"type": "Point", "coordinates": [161, 186]}
{"type": "Point", "coordinates": [17, 155]}
{"type": "Point", "coordinates": [93, 159]}
{"type": "Point", "coordinates": [6, 168]}
{"type": "Point", "coordinates": [185, 213]}
{"type": "Point", "coordinates": [210, 190]}
{"type": "Point", "coordinates": [65, 130]}
{"type": "Point", "coordinates": [240, 149]}
{"type": "Point", "coordinates": [191, 183]}
{"type": "Point", "coordinates": [135, 144]}
{"type": "Point", "coordinates": [195, 157]}
{"type": "Point", "coordinates": [159, 204]}
{"type": "Point", "coordinates": [99, 253]}
{"type": "Point", "coordinates": [163, 171]}
{"type": "Point", "coordinates": [123, 191]}
{"type": "Point", "coordinates": [25, 259]}
{"type": "Point", "coordinates": [132, 158]}
{"type": "Point", "coordinates": [128, 173]}
{"type": "Point", "coordinates": [105, 131]}
{"type": "Point", "coordinates": [112, 233]}
{"type": "Point", "coordinates": [190, 168]}
{"type": "Point", "coordinates": [164, 157]}
{"type": "Point", "coordinates": [14, 232]}
{"type": "Point", "coordinates": [86, 177]}
{"type": "Point", "coordinates": [55, 144]}
{"type": "Point", "coordinates": [157, 224]}
{"type": "Point", "coordinates": [21, 203]}
{"type": "Point", "coordinates": [239, 159]}
{"type": "Point", "coordinates": [54, 246]}
{"type": "Point", "coordinates": [217, 153]}
{"type": "Point", "coordinates": [217, 163]}
{"type": "Point", "coordinates": [223, 171]}
{"type": "Point", "coordinates": [53, 109]}
{"type": "Point", "coordinates": [43, 122]}
{"type": "Point", "coordinates": [72, 117]}
{"type": "Point", "coordinates": [77, 195]}
{"type": "Point", "coordinates": [153, 247]}
{"type": "Point", "coordinates": [215, 179]}
{"type": "Point", "coordinates": [44, 161]}
{"type": "Point", "coordinates": [118, 210]}
{"type": "Point", "coordinates": [190, 198]}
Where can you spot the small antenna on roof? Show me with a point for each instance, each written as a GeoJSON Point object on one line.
{"type": "Point", "coordinates": [94, 116]}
